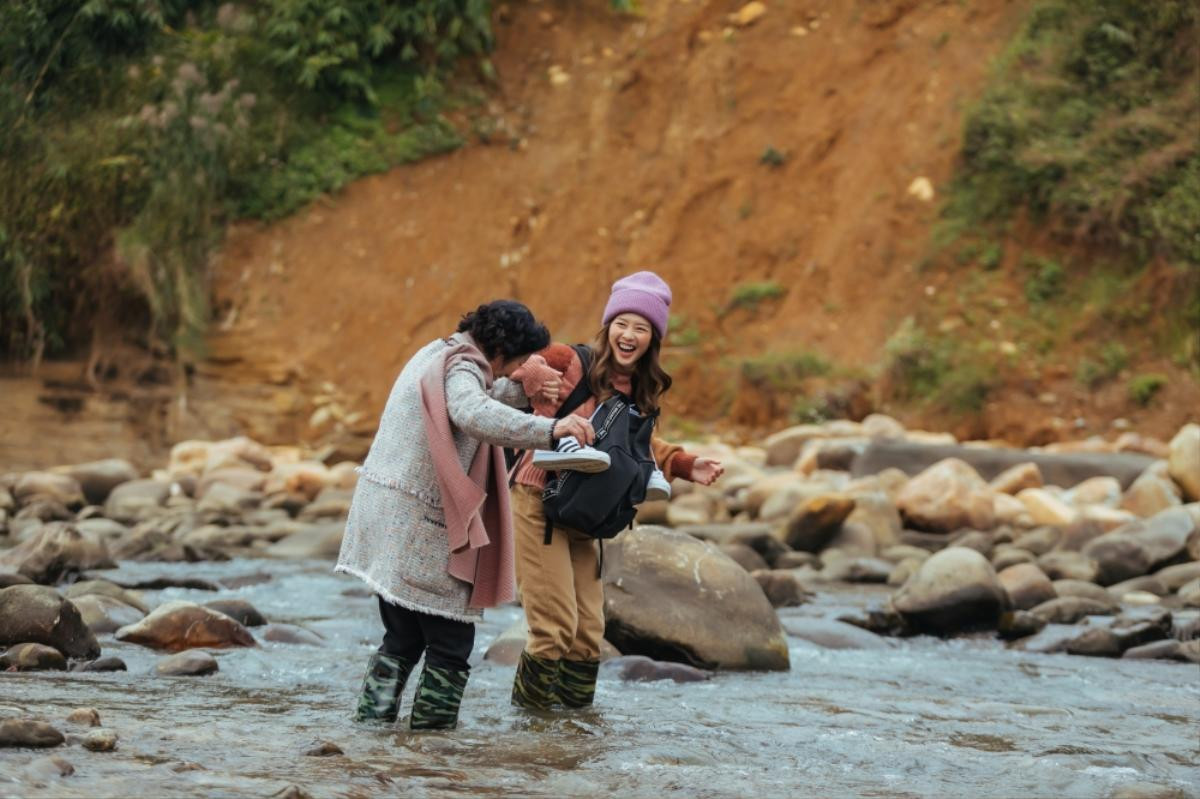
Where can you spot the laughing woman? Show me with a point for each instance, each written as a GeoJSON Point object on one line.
{"type": "Point", "coordinates": [429, 528]}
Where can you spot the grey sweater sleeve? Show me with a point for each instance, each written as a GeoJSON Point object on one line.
{"type": "Point", "coordinates": [510, 392]}
{"type": "Point", "coordinates": [479, 416]}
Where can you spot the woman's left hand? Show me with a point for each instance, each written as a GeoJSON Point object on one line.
{"type": "Point", "coordinates": [549, 390]}
{"type": "Point", "coordinates": [705, 471]}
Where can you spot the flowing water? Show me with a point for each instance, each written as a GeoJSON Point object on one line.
{"type": "Point", "coordinates": [925, 718]}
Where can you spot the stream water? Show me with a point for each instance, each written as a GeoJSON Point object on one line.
{"type": "Point", "coordinates": [924, 718]}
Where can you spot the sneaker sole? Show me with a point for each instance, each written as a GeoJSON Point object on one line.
{"type": "Point", "coordinates": [570, 462]}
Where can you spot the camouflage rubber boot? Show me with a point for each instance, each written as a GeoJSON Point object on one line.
{"type": "Point", "coordinates": [534, 683]}
{"type": "Point", "coordinates": [380, 696]}
{"type": "Point", "coordinates": [439, 693]}
{"type": "Point", "coordinates": [577, 682]}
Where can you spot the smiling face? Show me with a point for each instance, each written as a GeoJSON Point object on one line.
{"type": "Point", "coordinates": [629, 337]}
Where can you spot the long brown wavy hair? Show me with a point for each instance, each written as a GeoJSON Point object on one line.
{"type": "Point", "coordinates": [650, 381]}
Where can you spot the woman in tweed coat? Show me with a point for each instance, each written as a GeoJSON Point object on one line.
{"type": "Point", "coordinates": [429, 528]}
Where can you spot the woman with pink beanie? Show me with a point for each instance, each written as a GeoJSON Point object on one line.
{"type": "Point", "coordinates": [558, 571]}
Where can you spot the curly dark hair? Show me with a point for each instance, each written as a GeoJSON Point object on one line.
{"type": "Point", "coordinates": [506, 328]}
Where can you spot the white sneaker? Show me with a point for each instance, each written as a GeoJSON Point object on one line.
{"type": "Point", "coordinates": [657, 487]}
{"type": "Point", "coordinates": [571, 456]}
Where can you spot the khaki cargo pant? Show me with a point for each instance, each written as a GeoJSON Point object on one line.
{"type": "Point", "coordinates": [560, 590]}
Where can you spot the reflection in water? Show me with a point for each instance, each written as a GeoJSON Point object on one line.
{"type": "Point", "coordinates": [925, 718]}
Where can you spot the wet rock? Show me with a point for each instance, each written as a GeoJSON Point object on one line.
{"type": "Point", "coordinates": [322, 749]}
{"type": "Point", "coordinates": [246, 580]}
{"type": "Point", "coordinates": [32, 657]}
{"type": "Point", "coordinates": [291, 792]}
{"type": "Point", "coordinates": [947, 496]}
{"type": "Point", "coordinates": [38, 614]}
{"type": "Point", "coordinates": [954, 590]}
{"type": "Point", "coordinates": [1017, 478]}
{"type": "Point", "coordinates": [104, 614]}
{"type": "Point", "coordinates": [782, 587]}
{"type": "Point", "coordinates": [29, 733]}
{"type": "Point", "coordinates": [744, 556]}
{"type": "Point", "coordinates": [1068, 566]}
{"type": "Point", "coordinates": [44, 770]}
{"type": "Point", "coordinates": [190, 663]}
{"type": "Point", "coordinates": [1183, 461]}
{"type": "Point", "coordinates": [1155, 650]}
{"type": "Point", "coordinates": [1095, 642]}
{"type": "Point", "coordinates": [137, 500]}
{"type": "Point", "coordinates": [833, 634]}
{"type": "Point", "coordinates": [87, 716]}
{"type": "Point", "coordinates": [101, 664]}
{"type": "Point", "coordinates": [59, 488]}
{"type": "Point", "coordinates": [1175, 577]}
{"type": "Point", "coordinates": [239, 610]}
{"type": "Point", "coordinates": [639, 668]}
{"type": "Point", "coordinates": [290, 634]}
{"type": "Point", "coordinates": [1132, 550]}
{"type": "Point", "coordinates": [1007, 556]}
{"type": "Point", "coordinates": [814, 522]}
{"type": "Point", "coordinates": [858, 570]}
{"type": "Point", "coordinates": [159, 583]}
{"type": "Point", "coordinates": [659, 590]}
{"type": "Point", "coordinates": [97, 479]}
{"type": "Point", "coordinates": [1071, 609]}
{"type": "Point", "coordinates": [1019, 624]}
{"type": "Point", "coordinates": [318, 541]}
{"type": "Point", "coordinates": [100, 741]}
{"type": "Point", "coordinates": [1026, 585]}
{"type": "Point", "coordinates": [106, 588]}
{"type": "Point", "coordinates": [883, 620]}
{"type": "Point", "coordinates": [56, 550]}
{"type": "Point", "coordinates": [183, 625]}
{"type": "Point", "coordinates": [1052, 638]}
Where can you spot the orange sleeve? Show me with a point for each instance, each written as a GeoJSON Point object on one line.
{"type": "Point", "coordinates": [672, 459]}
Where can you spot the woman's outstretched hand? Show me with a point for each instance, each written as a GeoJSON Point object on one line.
{"type": "Point", "coordinates": [574, 426]}
{"type": "Point", "coordinates": [705, 471]}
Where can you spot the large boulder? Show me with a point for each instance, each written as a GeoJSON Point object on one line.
{"type": "Point", "coordinates": [1183, 462]}
{"type": "Point", "coordinates": [38, 614]}
{"type": "Point", "coordinates": [1060, 469]}
{"type": "Point", "coordinates": [947, 496]}
{"type": "Point", "coordinates": [137, 500]}
{"type": "Point", "coordinates": [99, 478]}
{"type": "Point", "coordinates": [660, 591]}
{"type": "Point", "coordinates": [180, 625]}
{"type": "Point", "coordinates": [955, 589]}
{"type": "Point", "coordinates": [54, 551]}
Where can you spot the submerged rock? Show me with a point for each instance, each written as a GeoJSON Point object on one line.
{"type": "Point", "coordinates": [29, 733]}
{"type": "Point", "coordinates": [102, 664]}
{"type": "Point", "coordinates": [104, 614]}
{"type": "Point", "coordinates": [239, 610]}
{"type": "Point", "coordinates": [639, 668]}
{"type": "Point", "coordinates": [192, 663]}
{"type": "Point", "coordinates": [660, 590]}
{"type": "Point", "coordinates": [100, 741]}
{"type": "Point", "coordinates": [290, 634]}
{"type": "Point", "coordinates": [833, 634]}
{"type": "Point", "coordinates": [32, 657]}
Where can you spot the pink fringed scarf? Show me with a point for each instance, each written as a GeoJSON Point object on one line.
{"type": "Point", "coordinates": [476, 502]}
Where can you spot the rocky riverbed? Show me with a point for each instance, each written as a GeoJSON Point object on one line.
{"type": "Point", "coordinates": [855, 609]}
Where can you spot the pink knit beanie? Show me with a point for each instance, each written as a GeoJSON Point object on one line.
{"type": "Point", "coordinates": [643, 293]}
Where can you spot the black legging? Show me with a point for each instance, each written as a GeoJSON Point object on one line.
{"type": "Point", "coordinates": [407, 633]}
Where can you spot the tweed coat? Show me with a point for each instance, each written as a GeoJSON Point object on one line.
{"type": "Point", "coordinates": [396, 539]}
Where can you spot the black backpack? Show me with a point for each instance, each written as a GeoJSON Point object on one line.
{"type": "Point", "coordinates": [603, 504]}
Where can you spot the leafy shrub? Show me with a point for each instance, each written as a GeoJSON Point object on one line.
{"type": "Point", "coordinates": [938, 372]}
{"type": "Point", "coordinates": [1046, 281]}
{"type": "Point", "coordinates": [751, 295]}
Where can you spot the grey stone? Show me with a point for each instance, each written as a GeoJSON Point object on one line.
{"type": "Point", "coordinates": [190, 663]}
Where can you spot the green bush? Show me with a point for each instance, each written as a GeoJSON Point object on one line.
{"type": "Point", "coordinates": [750, 295]}
{"type": "Point", "coordinates": [782, 370]}
{"type": "Point", "coordinates": [1089, 124]}
{"type": "Point", "coordinates": [937, 372]}
{"type": "Point", "coordinates": [1143, 388]}
{"type": "Point", "coordinates": [1113, 357]}
{"type": "Point", "coordinates": [1046, 281]}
